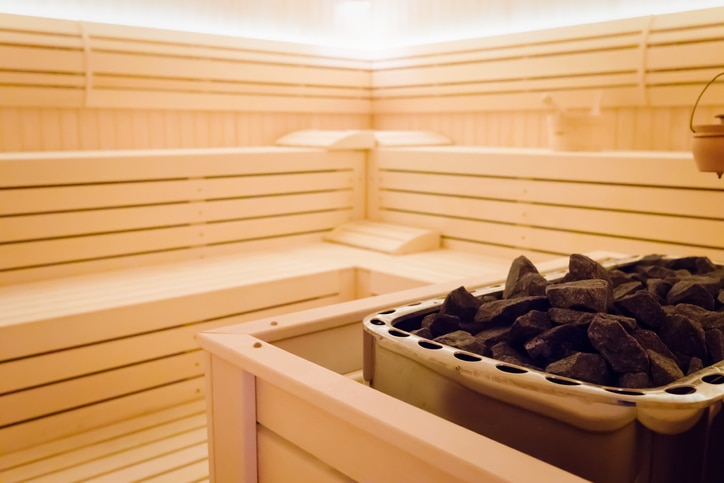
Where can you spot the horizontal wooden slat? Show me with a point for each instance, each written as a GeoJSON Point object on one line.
{"type": "Point", "coordinates": [96, 246]}
{"type": "Point", "coordinates": [190, 445]}
{"type": "Point", "coordinates": [21, 436]}
{"type": "Point", "coordinates": [95, 437]}
{"type": "Point", "coordinates": [663, 228]}
{"type": "Point", "coordinates": [502, 102]}
{"type": "Point", "coordinates": [692, 55]}
{"type": "Point", "coordinates": [224, 49]}
{"type": "Point", "coordinates": [78, 197]}
{"type": "Point", "coordinates": [62, 168]}
{"type": "Point", "coordinates": [555, 242]}
{"type": "Point", "coordinates": [41, 96]}
{"type": "Point", "coordinates": [84, 267]}
{"type": "Point", "coordinates": [662, 200]}
{"type": "Point", "coordinates": [34, 403]}
{"type": "Point", "coordinates": [75, 362]}
{"type": "Point", "coordinates": [130, 312]}
{"type": "Point", "coordinates": [554, 66]}
{"type": "Point", "coordinates": [225, 87]}
{"type": "Point", "coordinates": [516, 85]}
{"type": "Point", "coordinates": [42, 79]}
{"type": "Point", "coordinates": [32, 227]}
{"type": "Point", "coordinates": [47, 60]}
{"type": "Point", "coordinates": [171, 67]}
{"type": "Point", "coordinates": [626, 168]}
{"type": "Point", "coordinates": [274, 226]}
{"type": "Point", "coordinates": [143, 99]}
{"type": "Point", "coordinates": [75, 456]}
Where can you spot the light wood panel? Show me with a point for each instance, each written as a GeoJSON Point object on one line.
{"type": "Point", "coordinates": [68, 129]}
{"type": "Point", "coordinates": [530, 200]}
{"type": "Point", "coordinates": [488, 91]}
{"type": "Point", "coordinates": [142, 203]}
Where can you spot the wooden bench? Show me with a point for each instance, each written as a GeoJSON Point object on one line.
{"type": "Point", "coordinates": [112, 261]}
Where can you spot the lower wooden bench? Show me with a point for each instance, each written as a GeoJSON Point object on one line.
{"type": "Point", "coordinates": [100, 373]}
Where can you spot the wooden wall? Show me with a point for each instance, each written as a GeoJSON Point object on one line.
{"type": "Point", "coordinates": [78, 85]}
{"type": "Point", "coordinates": [488, 91]}
{"type": "Point", "coordinates": [84, 85]}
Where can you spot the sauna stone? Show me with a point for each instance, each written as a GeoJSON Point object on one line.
{"type": "Point", "coordinates": [643, 307]}
{"type": "Point", "coordinates": [506, 311]}
{"type": "Point", "coordinates": [504, 352]}
{"type": "Point", "coordinates": [684, 337]}
{"type": "Point", "coordinates": [581, 267]}
{"type": "Point", "coordinates": [650, 341]}
{"type": "Point", "coordinates": [715, 344]}
{"type": "Point", "coordinates": [627, 288]}
{"type": "Point", "coordinates": [642, 339]}
{"type": "Point", "coordinates": [659, 288]}
{"type": "Point", "coordinates": [634, 380]}
{"type": "Point", "coordinates": [528, 326]}
{"type": "Point", "coordinates": [590, 295]}
{"type": "Point", "coordinates": [582, 366]}
{"type": "Point", "coordinates": [570, 316]}
{"type": "Point", "coordinates": [556, 343]}
{"type": "Point", "coordinates": [443, 324]}
{"type": "Point", "coordinates": [621, 350]}
{"type": "Point", "coordinates": [664, 370]}
{"type": "Point", "coordinates": [462, 340]}
{"type": "Point", "coordinates": [519, 269]}
{"type": "Point", "coordinates": [690, 291]}
{"type": "Point", "coordinates": [460, 303]}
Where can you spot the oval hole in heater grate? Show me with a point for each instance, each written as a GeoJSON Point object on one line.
{"type": "Point", "coordinates": [429, 345]}
{"type": "Point", "coordinates": [713, 379]}
{"type": "Point", "coordinates": [510, 369]}
{"type": "Point", "coordinates": [467, 357]}
{"type": "Point", "coordinates": [680, 390]}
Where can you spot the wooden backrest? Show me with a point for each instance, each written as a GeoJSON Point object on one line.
{"type": "Point", "coordinates": [63, 63]}
{"type": "Point", "coordinates": [546, 203]}
{"type": "Point", "coordinates": [77, 212]}
{"type": "Point", "coordinates": [654, 61]}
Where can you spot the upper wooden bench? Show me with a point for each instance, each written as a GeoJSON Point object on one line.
{"type": "Point", "coordinates": [110, 262]}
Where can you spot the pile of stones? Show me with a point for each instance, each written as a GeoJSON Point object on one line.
{"type": "Point", "coordinates": [640, 326]}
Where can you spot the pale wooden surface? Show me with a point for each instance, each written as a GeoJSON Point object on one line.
{"type": "Point", "coordinates": [539, 202]}
{"type": "Point", "coordinates": [483, 91]}
{"type": "Point", "coordinates": [304, 409]}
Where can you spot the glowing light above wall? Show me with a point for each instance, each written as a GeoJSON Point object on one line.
{"type": "Point", "coordinates": [359, 24]}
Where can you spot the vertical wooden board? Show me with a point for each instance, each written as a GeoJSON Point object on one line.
{"type": "Point", "coordinates": [10, 137]}
{"type": "Point", "coordinates": [625, 128]}
{"type": "Point", "coordinates": [255, 129]}
{"type": "Point", "coordinates": [241, 125]}
{"type": "Point", "coordinates": [50, 129]}
{"type": "Point", "coordinates": [106, 129]}
{"type": "Point", "coordinates": [141, 137]}
{"type": "Point", "coordinates": [70, 137]}
{"type": "Point", "coordinates": [156, 130]}
{"type": "Point", "coordinates": [643, 128]}
{"type": "Point", "coordinates": [172, 129]}
{"type": "Point", "coordinates": [492, 127]}
{"type": "Point", "coordinates": [216, 129]}
{"type": "Point", "coordinates": [187, 129]}
{"type": "Point", "coordinates": [679, 134]}
{"type": "Point", "coordinates": [88, 129]}
{"type": "Point", "coordinates": [269, 128]}
{"type": "Point", "coordinates": [30, 132]}
{"type": "Point", "coordinates": [660, 129]}
{"type": "Point", "coordinates": [231, 404]}
{"type": "Point", "coordinates": [124, 129]}
{"type": "Point", "coordinates": [298, 465]}
{"type": "Point", "coordinates": [228, 129]}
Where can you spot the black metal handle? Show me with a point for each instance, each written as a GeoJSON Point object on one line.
{"type": "Point", "coordinates": [691, 118]}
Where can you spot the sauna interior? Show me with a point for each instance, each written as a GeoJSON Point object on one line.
{"type": "Point", "coordinates": [201, 200]}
